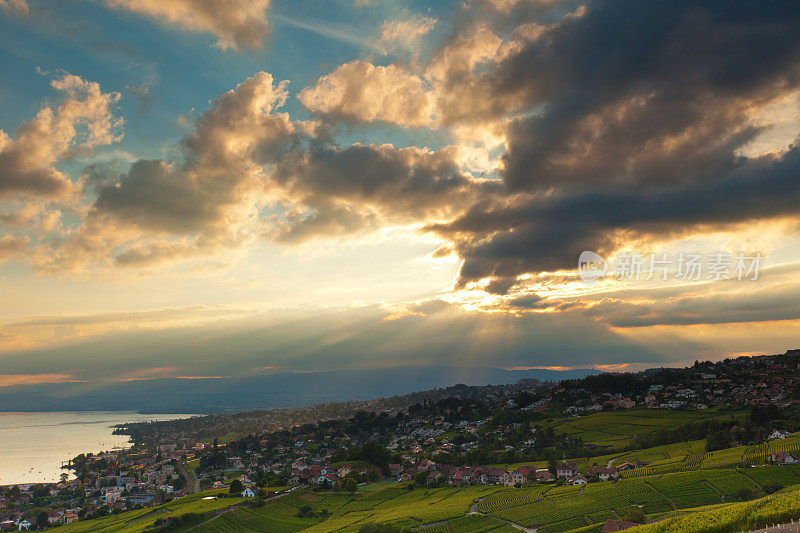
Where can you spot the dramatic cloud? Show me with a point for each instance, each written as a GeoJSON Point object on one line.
{"type": "Point", "coordinates": [203, 201]}
{"type": "Point", "coordinates": [236, 24]}
{"type": "Point", "coordinates": [661, 104]}
{"type": "Point", "coordinates": [634, 113]}
{"type": "Point", "coordinates": [501, 142]}
{"type": "Point", "coordinates": [346, 188]}
{"type": "Point", "coordinates": [549, 232]}
{"type": "Point", "coordinates": [83, 121]}
{"type": "Point", "coordinates": [361, 92]}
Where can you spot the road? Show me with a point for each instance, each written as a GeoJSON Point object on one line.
{"type": "Point", "coordinates": [192, 483]}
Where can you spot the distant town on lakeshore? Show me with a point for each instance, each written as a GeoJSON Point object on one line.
{"type": "Point", "coordinates": [632, 448]}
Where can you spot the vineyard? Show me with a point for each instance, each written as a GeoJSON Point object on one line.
{"type": "Point", "coordinates": [431, 511]}
{"type": "Point", "coordinates": [778, 508]}
{"type": "Point", "coordinates": [655, 494]}
{"type": "Point", "coordinates": [617, 430]}
{"type": "Point", "coordinates": [680, 484]}
{"type": "Point", "coordinates": [444, 510]}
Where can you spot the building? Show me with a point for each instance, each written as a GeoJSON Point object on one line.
{"type": "Point", "coordinates": [544, 476]}
{"type": "Point", "coordinates": [521, 475]}
{"type": "Point", "coordinates": [248, 493]}
{"type": "Point", "coordinates": [141, 499]}
{"type": "Point", "coordinates": [578, 479]}
{"type": "Point", "coordinates": [603, 473]}
{"type": "Point", "coordinates": [778, 434]}
{"type": "Point", "coordinates": [433, 476]}
{"type": "Point", "coordinates": [566, 470]}
{"type": "Point", "coordinates": [625, 466]}
{"type": "Point", "coordinates": [69, 518]}
{"type": "Point", "coordinates": [784, 458]}
{"type": "Point", "coordinates": [331, 479]}
{"type": "Point", "coordinates": [493, 476]}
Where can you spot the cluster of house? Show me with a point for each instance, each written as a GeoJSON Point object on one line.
{"type": "Point", "coordinates": [741, 381]}
{"type": "Point", "coordinates": [54, 518]}
{"type": "Point", "coordinates": [462, 475]}
{"type": "Point", "coordinates": [124, 481]}
{"type": "Point", "coordinates": [523, 474]}
{"type": "Point", "coordinates": [15, 512]}
{"type": "Point", "coordinates": [315, 474]}
{"type": "Point", "coordinates": [782, 458]}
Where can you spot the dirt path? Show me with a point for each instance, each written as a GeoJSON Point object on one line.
{"type": "Point", "coordinates": [672, 503]}
{"type": "Point", "coordinates": [519, 526]}
{"type": "Point", "coordinates": [473, 510]}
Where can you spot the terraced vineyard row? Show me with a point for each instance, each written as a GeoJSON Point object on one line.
{"type": "Point", "coordinates": [510, 498]}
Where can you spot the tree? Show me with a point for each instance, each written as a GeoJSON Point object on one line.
{"type": "Point", "coordinates": [236, 487]}
{"type": "Point", "coordinates": [41, 519]}
{"type": "Point", "coordinates": [717, 441]}
{"type": "Point", "coordinates": [305, 512]}
{"type": "Point", "coordinates": [744, 494]}
{"type": "Point", "coordinates": [260, 477]}
{"type": "Point", "coordinates": [552, 465]}
{"type": "Point", "coordinates": [635, 514]}
{"type": "Point", "coordinates": [350, 485]}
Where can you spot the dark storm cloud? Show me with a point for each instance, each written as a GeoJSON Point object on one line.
{"type": "Point", "coordinates": [154, 194]}
{"type": "Point", "coordinates": [347, 189]}
{"type": "Point", "coordinates": [634, 115]}
{"type": "Point", "coordinates": [548, 233]}
{"type": "Point", "coordinates": [646, 91]}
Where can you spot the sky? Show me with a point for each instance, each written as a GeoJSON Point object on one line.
{"type": "Point", "coordinates": [222, 188]}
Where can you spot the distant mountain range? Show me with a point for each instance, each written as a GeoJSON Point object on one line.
{"type": "Point", "coordinates": [209, 395]}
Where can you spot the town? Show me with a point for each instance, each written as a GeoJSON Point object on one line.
{"type": "Point", "coordinates": [525, 434]}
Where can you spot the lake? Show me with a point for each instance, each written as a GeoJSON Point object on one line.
{"type": "Point", "coordinates": [32, 445]}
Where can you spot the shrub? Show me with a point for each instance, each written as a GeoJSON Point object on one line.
{"type": "Point", "coordinates": [635, 514]}
{"type": "Point", "coordinates": [175, 523]}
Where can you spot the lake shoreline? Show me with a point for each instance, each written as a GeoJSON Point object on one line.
{"type": "Point", "coordinates": [34, 444]}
